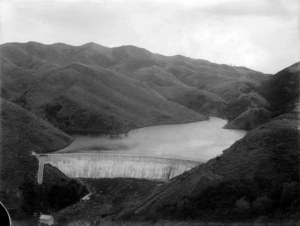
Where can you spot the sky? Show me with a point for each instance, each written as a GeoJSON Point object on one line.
{"type": "Point", "coordinates": [263, 35]}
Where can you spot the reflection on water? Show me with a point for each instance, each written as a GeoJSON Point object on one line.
{"type": "Point", "coordinates": [200, 140]}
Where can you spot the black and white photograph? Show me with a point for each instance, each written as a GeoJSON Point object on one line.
{"type": "Point", "coordinates": [150, 112]}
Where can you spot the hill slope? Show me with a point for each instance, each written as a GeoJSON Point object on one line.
{"type": "Point", "coordinates": [259, 174]}
{"type": "Point", "coordinates": [22, 133]}
{"type": "Point", "coordinates": [94, 99]}
{"type": "Point", "coordinates": [279, 94]}
{"type": "Point", "coordinates": [282, 89]}
{"type": "Point", "coordinates": [126, 87]}
{"type": "Point", "coordinates": [249, 119]}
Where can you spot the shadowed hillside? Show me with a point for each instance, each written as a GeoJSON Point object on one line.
{"type": "Point", "coordinates": [258, 175]}
{"type": "Point", "coordinates": [278, 94]}
{"type": "Point", "coordinates": [21, 134]}
{"type": "Point", "coordinates": [282, 89]}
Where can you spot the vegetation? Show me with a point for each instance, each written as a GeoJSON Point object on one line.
{"type": "Point", "coordinates": [110, 196]}
{"type": "Point", "coordinates": [21, 134]}
{"type": "Point", "coordinates": [256, 176]}
{"type": "Point", "coordinates": [239, 200]}
{"type": "Point", "coordinates": [282, 89]}
{"type": "Point", "coordinates": [113, 90]}
{"type": "Point", "coordinates": [250, 119]}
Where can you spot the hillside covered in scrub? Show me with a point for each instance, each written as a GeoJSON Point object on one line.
{"type": "Point", "coordinates": [257, 178]}
{"type": "Point", "coordinates": [49, 92]}
{"type": "Point", "coordinates": [92, 88]}
{"type": "Point", "coordinates": [21, 134]}
{"type": "Point", "coordinates": [257, 175]}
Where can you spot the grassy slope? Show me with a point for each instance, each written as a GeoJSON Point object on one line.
{"type": "Point", "coordinates": [258, 175]}
{"type": "Point", "coordinates": [244, 103]}
{"type": "Point", "coordinates": [155, 80]}
{"type": "Point", "coordinates": [262, 165]}
{"type": "Point", "coordinates": [22, 133]}
{"type": "Point", "coordinates": [95, 99]}
{"type": "Point", "coordinates": [78, 97]}
{"type": "Point", "coordinates": [282, 89]}
{"type": "Point", "coordinates": [279, 94]}
{"type": "Point", "coordinates": [226, 81]}
{"type": "Point", "coordinates": [110, 195]}
{"type": "Point", "coordinates": [249, 119]}
{"type": "Point", "coordinates": [173, 89]}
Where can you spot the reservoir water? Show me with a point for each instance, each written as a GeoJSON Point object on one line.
{"type": "Point", "coordinates": [200, 140]}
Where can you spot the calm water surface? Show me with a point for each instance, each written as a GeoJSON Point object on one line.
{"type": "Point", "coordinates": [200, 140]}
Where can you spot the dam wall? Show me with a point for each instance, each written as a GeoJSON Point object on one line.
{"type": "Point", "coordinates": [112, 165]}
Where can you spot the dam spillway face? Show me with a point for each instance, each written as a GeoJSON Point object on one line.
{"type": "Point", "coordinates": [112, 165]}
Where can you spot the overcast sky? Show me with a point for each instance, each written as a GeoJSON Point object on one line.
{"type": "Point", "coordinates": [260, 34]}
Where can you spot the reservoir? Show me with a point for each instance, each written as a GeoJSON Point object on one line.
{"type": "Point", "coordinates": [200, 141]}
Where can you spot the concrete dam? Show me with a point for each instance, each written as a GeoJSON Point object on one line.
{"type": "Point", "coordinates": [112, 164]}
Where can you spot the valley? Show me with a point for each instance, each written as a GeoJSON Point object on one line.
{"type": "Point", "coordinates": [135, 108]}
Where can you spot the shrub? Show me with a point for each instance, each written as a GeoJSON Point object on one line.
{"type": "Point", "coordinates": [242, 204]}
{"type": "Point", "coordinates": [262, 205]}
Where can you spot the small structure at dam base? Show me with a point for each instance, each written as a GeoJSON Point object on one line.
{"type": "Point", "coordinates": [115, 164]}
{"type": "Point", "coordinates": [46, 220]}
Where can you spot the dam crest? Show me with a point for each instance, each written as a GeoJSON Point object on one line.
{"type": "Point", "coordinates": [114, 164]}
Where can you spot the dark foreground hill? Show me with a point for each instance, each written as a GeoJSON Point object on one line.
{"type": "Point", "coordinates": [21, 134]}
{"type": "Point", "coordinates": [92, 88]}
{"type": "Point", "coordinates": [258, 175]}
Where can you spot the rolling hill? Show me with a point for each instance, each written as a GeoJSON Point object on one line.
{"type": "Point", "coordinates": [92, 88]}
{"type": "Point", "coordinates": [278, 94]}
{"type": "Point", "coordinates": [95, 89]}
{"type": "Point", "coordinates": [254, 180]}
{"type": "Point", "coordinates": [282, 89]}
{"type": "Point", "coordinates": [23, 133]}
{"type": "Point", "coordinates": [257, 176]}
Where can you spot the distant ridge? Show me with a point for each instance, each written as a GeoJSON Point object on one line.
{"type": "Point", "coordinates": [92, 88]}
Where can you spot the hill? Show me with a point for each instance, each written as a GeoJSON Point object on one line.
{"type": "Point", "coordinates": [117, 89]}
{"type": "Point", "coordinates": [255, 180]}
{"type": "Point", "coordinates": [21, 134]}
{"type": "Point", "coordinates": [278, 94]}
{"type": "Point", "coordinates": [244, 103]}
{"type": "Point", "coordinates": [91, 88]}
{"type": "Point", "coordinates": [282, 89]}
{"type": "Point", "coordinates": [249, 119]}
{"type": "Point", "coordinates": [258, 175]}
